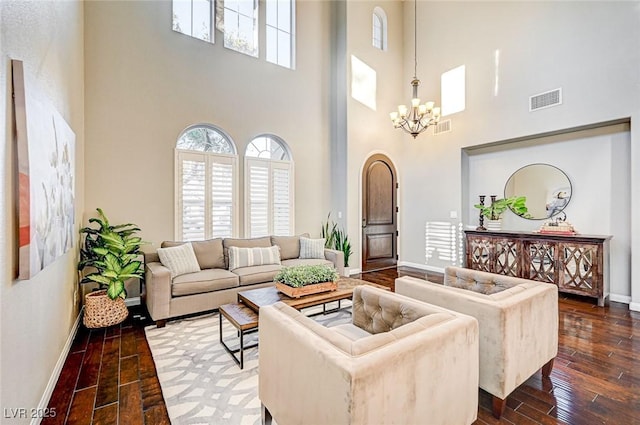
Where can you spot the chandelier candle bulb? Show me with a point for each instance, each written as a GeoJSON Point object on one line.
{"type": "Point", "coordinates": [422, 109]}
{"type": "Point", "coordinates": [415, 102]}
{"type": "Point", "coordinates": [436, 112]}
{"type": "Point", "coordinates": [393, 116]}
{"type": "Point", "coordinates": [429, 106]}
{"type": "Point", "coordinates": [402, 109]}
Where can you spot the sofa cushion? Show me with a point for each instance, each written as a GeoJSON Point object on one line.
{"type": "Point", "coordinates": [264, 242]}
{"type": "Point", "coordinates": [311, 248]}
{"type": "Point", "coordinates": [207, 280]}
{"type": "Point", "coordinates": [306, 262]}
{"type": "Point", "coordinates": [179, 259]}
{"type": "Point", "coordinates": [209, 253]}
{"type": "Point", "coordinates": [289, 245]}
{"type": "Point", "coordinates": [257, 274]}
{"type": "Point", "coordinates": [246, 257]}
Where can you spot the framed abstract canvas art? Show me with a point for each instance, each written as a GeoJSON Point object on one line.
{"type": "Point", "coordinates": [46, 176]}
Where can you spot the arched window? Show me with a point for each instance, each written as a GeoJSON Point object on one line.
{"type": "Point", "coordinates": [379, 29]}
{"type": "Point", "coordinates": [268, 187]}
{"type": "Point", "coordinates": [206, 164]}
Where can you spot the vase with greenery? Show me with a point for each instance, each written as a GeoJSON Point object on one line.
{"type": "Point", "coordinates": [110, 254]}
{"type": "Point", "coordinates": [335, 238]}
{"type": "Point", "coordinates": [497, 207]}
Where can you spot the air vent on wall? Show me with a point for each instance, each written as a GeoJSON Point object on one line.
{"type": "Point", "coordinates": [545, 100]}
{"type": "Point", "coordinates": [442, 127]}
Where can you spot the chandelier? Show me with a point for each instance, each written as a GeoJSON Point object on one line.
{"type": "Point", "coordinates": [417, 118]}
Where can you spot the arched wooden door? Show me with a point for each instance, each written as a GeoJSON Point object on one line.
{"type": "Point", "coordinates": [379, 214]}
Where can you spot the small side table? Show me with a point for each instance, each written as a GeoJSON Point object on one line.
{"type": "Point", "coordinates": [243, 319]}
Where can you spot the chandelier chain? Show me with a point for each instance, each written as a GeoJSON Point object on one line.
{"type": "Point", "coordinates": [417, 117]}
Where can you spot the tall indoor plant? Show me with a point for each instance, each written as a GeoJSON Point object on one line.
{"type": "Point", "coordinates": [111, 256]}
{"type": "Point", "coordinates": [337, 239]}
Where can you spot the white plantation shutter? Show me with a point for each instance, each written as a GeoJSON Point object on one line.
{"type": "Point", "coordinates": [281, 195]}
{"type": "Point", "coordinates": [222, 205]}
{"type": "Point", "coordinates": [269, 197]}
{"type": "Point", "coordinates": [258, 214]}
{"type": "Point", "coordinates": [206, 194]}
{"type": "Point", "coordinates": [191, 202]}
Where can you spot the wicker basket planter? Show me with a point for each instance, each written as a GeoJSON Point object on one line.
{"type": "Point", "coordinates": [101, 311]}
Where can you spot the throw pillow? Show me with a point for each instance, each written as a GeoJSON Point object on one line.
{"type": "Point", "coordinates": [179, 259]}
{"type": "Point", "coordinates": [289, 245]}
{"type": "Point", "coordinates": [246, 257]}
{"type": "Point", "coordinates": [311, 248]}
{"type": "Point", "coordinates": [208, 252]}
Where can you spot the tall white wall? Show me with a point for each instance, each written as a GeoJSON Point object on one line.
{"type": "Point", "coordinates": [37, 315]}
{"type": "Point", "coordinates": [370, 131]}
{"type": "Point", "coordinates": [145, 83]}
{"type": "Point", "coordinates": [590, 49]}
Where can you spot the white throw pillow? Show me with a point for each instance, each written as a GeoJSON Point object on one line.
{"type": "Point", "coordinates": [179, 259]}
{"type": "Point", "coordinates": [246, 257]}
{"type": "Point", "coordinates": [311, 248]}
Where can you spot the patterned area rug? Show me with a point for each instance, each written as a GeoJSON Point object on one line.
{"type": "Point", "coordinates": [200, 382]}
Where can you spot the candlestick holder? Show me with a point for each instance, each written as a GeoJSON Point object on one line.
{"type": "Point", "coordinates": [481, 218]}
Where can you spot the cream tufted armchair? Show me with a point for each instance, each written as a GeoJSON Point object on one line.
{"type": "Point", "coordinates": [518, 323]}
{"type": "Point", "coordinates": [399, 361]}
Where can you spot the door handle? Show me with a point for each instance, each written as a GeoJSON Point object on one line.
{"type": "Point", "coordinates": [364, 223]}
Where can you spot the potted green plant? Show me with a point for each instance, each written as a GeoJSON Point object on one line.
{"type": "Point", "coordinates": [297, 281]}
{"type": "Point", "coordinates": [494, 211]}
{"type": "Point", "coordinates": [110, 254]}
{"type": "Point", "coordinates": [337, 239]}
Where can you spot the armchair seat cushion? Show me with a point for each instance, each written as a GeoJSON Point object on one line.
{"type": "Point", "coordinates": [351, 331]}
{"type": "Point", "coordinates": [203, 281]}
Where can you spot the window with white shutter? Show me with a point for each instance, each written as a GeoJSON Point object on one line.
{"type": "Point", "coordinates": [269, 187]}
{"type": "Point", "coordinates": [206, 185]}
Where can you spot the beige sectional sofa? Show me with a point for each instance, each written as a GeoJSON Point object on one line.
{"type": "Point", "coordinates": [215, 284]}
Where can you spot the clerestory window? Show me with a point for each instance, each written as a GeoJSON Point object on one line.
{"type": "Point", "coordinates": [194, 18]}
{"type": "Point", "coordinates": [280, 37]}
{"type": "Point", "coordinates": [379, 29]}
{"type": "Point", "coordinates": [241, 26]}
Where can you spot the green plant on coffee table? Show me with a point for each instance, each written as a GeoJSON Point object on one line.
{"type": "Point", "coordinates": [335, 238]}
{"type": "Point", "coordinates": [299, 276]}
{"type": "Point", "coordinates": [494, 211]}
{"type": "Point", "coordinates": [113, 252]}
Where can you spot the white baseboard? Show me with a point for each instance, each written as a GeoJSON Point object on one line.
{"type": "Point", "coordinates": [55, 374]}
{"type": "Point", "coordinates": [634, 306]}
{"type": "Point", "coordinates": [620, 298]}
{"type": "Point", "coordinates": [354, 271]}
{"type": "Point", "coordinates": [132, 301]}
{"type": "Point", "coordinates": [421, 266]}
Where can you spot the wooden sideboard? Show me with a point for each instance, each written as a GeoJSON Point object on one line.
{"type": "Point", "coordinates": [578, 264]}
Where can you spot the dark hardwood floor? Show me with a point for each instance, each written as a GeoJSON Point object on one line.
{"type": "Point", "coordinates": [109, 376]}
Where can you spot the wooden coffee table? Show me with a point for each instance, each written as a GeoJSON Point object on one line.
{"type": "Point", "coordinates": [256, 298]}
{"type": "Point", "coordinates": [243, 315]}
